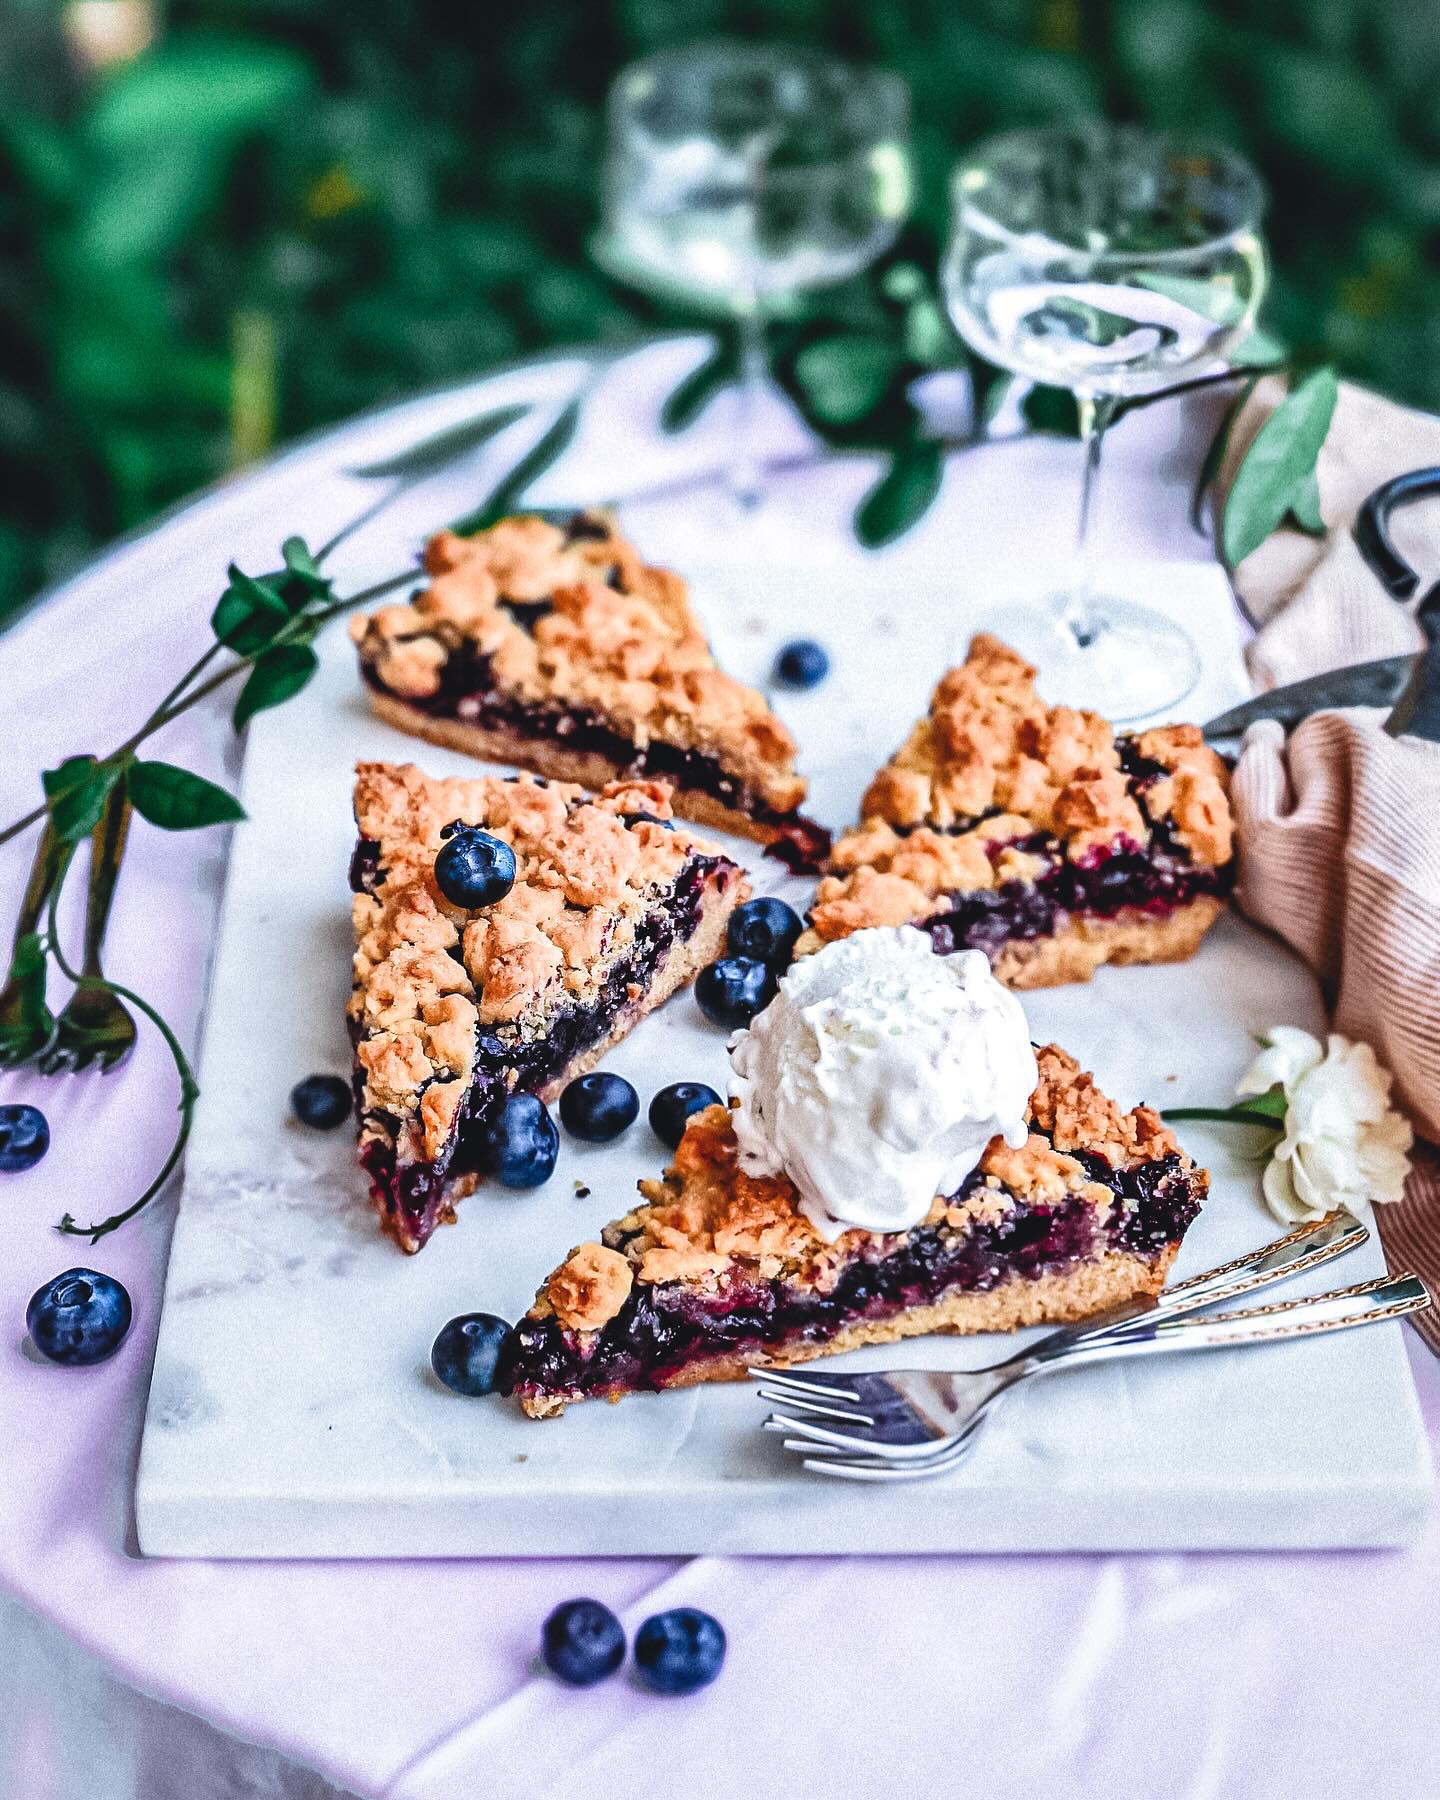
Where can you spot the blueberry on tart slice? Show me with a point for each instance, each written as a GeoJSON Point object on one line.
{"type": "Point", "coordinates": [508, 931]}
{"type": "Point", "coordinates": [1035, 833]}
{"type": "Point", "coordinates": [718, 1269]}
{"type": "Point", "coordinates": [559, 650]}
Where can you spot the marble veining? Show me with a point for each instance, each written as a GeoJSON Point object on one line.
{"type": "Point", "coordinates": [292, 1411]}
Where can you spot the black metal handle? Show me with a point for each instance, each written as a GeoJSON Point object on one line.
{"type": "Point", "coordinates": [1372, 535]}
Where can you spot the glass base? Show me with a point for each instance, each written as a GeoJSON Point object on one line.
{"type": "Point", "coordinates": [1136, 662]}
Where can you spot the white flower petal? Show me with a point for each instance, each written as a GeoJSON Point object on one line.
{"type": "Point", "coordinates": [1280, 1193]}
{"type": "Point", "coordinates": [1288, 1054]}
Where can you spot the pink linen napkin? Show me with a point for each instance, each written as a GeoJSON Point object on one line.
{"type": "Point", "coordinates": [1339, 828]}
{"type": "Point", "coordinates": [1315, 604]}
{"type": "Point", "coordinates": [1339, 854]}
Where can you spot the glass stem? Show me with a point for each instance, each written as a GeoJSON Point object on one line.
{"type": "Point", "coordinates": [1080, 617]}
{"type": "Point", "coordinates": [747, 474]}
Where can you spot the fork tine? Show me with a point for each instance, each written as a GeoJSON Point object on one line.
{"type": "Point", "coordinates": [846, 1415]}
{"type": "Point", "coordinates": [873, 1470]}
{"type": "Point", "coordinates": [820, 1387]}
{"type": "Point", "coordinates": [819, 1434]}
{"type": "Point", "coordinates": [863, 1446]}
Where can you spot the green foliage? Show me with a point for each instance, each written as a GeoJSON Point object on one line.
{"type": "Point", "coordinates": [336, 205]}
{"type": "Point", "coordinates": [177, 799]}
{"type": "Point", "coordinates": [75, 795]}
{"type": "Point", "coordinates": [511, 490]}
{"type": "Point", "coordinates": [279, 674]}
{"type": "Point", "coordinates": [249, 613]}
{"type": "Point", "coordinates": [903, 492]}
{"type": "Point", "coordinates": [1276, 481]}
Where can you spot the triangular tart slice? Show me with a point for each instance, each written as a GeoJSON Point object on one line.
{"type": "Point", "coordinates": [452, 1010]}
{"type": "Point", "coordinates": [556, 648]}
{"type": "Point", "coordinates": [717, 1270]}
{"type": "Point", "coordinates": [1035, 833]}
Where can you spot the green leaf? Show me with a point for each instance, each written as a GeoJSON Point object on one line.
{"type": "Point", "coordinates": [1215, 454]}
{"type": "Point", "coordinates": [76, 792]}
{"type": "Point", "coordinates": [903, 493]}
{"type": "Point", "coordinates": [929, 336]}
{"type": "Point", "coordinates": [443, 447]}
{"type": "Point", "coordinates": [177, 800]}
{"type": "Point", "coordinates": [1305, 509]}
{"type": "Point", "coordinates": [278, 675]}
{"type": "Point", "coordinates": [1272, 1103]}
{"type": "Point", "coordinates": [1278, 472]}
{"type": "Point", "coordinates": [249, 613]}
{"type": "Point", "coordinates": [846, 376]}
{"type": "Point", "coordinates": [690, 398]}
{"type": "Point", "coordinates": [146, 202]}
{"type": "Point", "coordinates": [300, 563]}
{"type": "Point", "coordinates": [198, 86]}
{"type": "Point", "coordinates": [506, 496]}
{"type": "Point", "coordinates": [1051, 409]}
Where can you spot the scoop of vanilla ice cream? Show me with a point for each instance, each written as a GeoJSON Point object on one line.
{"type": "Point", "coordinates": [877, 1076]}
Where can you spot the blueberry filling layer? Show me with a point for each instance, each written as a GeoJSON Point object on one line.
{"type": "Point", "coordinates": [466, 693]}
{"type": "Point", "coordinates": [414, 1192]}
{"type": "Point", "coordinates": [662, 1329]}
{"type": "Point", "coordinates": [1156, 881]}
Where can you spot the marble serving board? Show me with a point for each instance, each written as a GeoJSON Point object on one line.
{"type": "Point", "coordinates": [292, 1412]}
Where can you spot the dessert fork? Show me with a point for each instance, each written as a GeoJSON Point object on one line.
{"type": "Point", "coordinates": [965, 1400]}
{"type": "Point", "coordinates": [902, 1416]}
{"type": "Point", "coordinates": [1306, 1247]}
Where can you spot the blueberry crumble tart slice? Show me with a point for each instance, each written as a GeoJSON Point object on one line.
{"type": "Point", "coordinates": [1035, 833]}
{"type": "Point", "coordinates": [559, 650]}
{"type": "Point", "coordinates": [603, 910]}
{"type": "Point", "coordinates": [718, 1269]}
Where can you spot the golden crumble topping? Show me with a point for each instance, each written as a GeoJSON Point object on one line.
{"type": "Point", "coordinates": [589, 1287]}
{"type": "Point", "coordinates": [707, 1214]}
{"type": "Point", "coordinates": [587, 868]}
{"type": "Point", "coordinates": [990, 746]}
{"type": "Point", "coordinates": [616, 637]}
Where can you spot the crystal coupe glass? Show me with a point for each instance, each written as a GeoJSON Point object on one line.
{"type": "Point", "coordinates": [739, 175]}
{"type": "Point", "coordinates": [1112, 262]}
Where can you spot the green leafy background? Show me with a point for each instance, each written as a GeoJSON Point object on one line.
{"type": "Point", "coordinates": [287, 210]}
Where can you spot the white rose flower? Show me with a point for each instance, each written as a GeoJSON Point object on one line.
{"type": "Point", "coordinates": [1343, 1142]}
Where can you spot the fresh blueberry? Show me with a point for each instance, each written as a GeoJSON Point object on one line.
{"type": "Point", "coordinates": [599, 1106]}
{"type": "Point", "coordinates": [733, 990]}
{"type": "Point", "coordinates": [582, 1642]}
{"type": "Point", "coordinates": [474, 869]}
{"type": "Point", "coordinates": [520, 1144]}
{"type": "Point", "coordinates": [802, 663]}
{"type": "Point", "coordinates": [673, 1105]}
{"type": "Point", "coordinates": [765, 929]}
{"type": "Point", "coordinates": [678, 1651]}
{"type": "Point", "coordinates": [24, 1137]}
{"type": "Point", "coordinates": [321, 1101]}
{"type": "Point", "coordinates": [466, 1354]}
{"type": "Point", "coordinates": [79, 1317]}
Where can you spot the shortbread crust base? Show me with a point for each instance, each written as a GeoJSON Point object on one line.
{"type": "Point", "coordinates": [1076, 1294]}
{"type": "Point", "coordinates": [1086, 943]}
{"type": "Point", "coordinates": [557, 763]}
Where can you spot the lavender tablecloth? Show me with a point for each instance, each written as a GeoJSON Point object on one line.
{"type": "Point", "coordinates": [1255, 1677]}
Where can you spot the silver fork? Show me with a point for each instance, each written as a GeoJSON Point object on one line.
{"type": "Point", "coordinates": [898, 1425]}
{"type": "Point", "coordinates": [904, 1399]}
